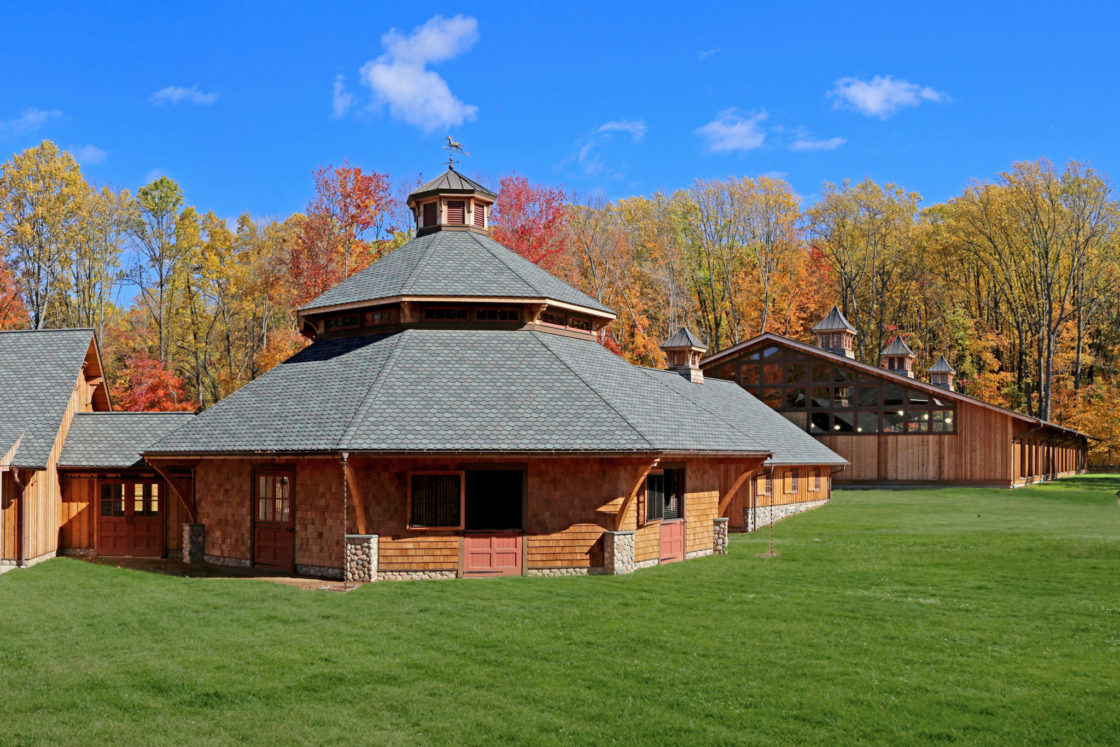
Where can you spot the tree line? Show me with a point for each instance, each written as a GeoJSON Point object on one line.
{"type": "Point", "coordinates": [1016, 280]}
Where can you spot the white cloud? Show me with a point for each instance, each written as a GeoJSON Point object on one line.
{"type": "Point", "coordinates": [730, 130]}
{"type": "Point", "coordinates": [29, 120]}
{"type": "Point", "coordinates": [151, 176]}
{"type": "Point", "coordinates": [400, 78]}
{"type": "Point", "coordinates": [809, 143]}
{"type": "Point", "coordinates": [636, 127]}
{"type": "Point", "coordinates": [704, 54]}
{"type": "Point", "coordinates": [588, 154]}
{"type": "Point", "coordinates": [341, 101]}
{"type": "Point", "coordinates": [89, 154]}
{"type": "Point", "coordinates": [173, 95]}
{"type": "Point", "coordinates": [881, 96]}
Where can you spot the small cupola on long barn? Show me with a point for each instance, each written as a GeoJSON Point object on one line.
{"type": "Point", "coordinates": [684, 351]}
{"type": "Point", "coordinates": [942, 374]}
{"type": "Point", "coordinates": [836, 335]}
{"type": "Point", "coordinates": [899, 358]}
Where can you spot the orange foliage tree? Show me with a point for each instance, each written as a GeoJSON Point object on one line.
{"type": "Point", "coordinates": [531, 219]}
{"type": "Point", "coordinates": [12, 311]}
{"type": "Point", "coordinates": [346, 227]}
{"type": "Point", "coordinates": [150, 386]}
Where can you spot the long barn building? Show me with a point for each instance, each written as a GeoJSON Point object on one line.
{"type": "Point", "coordinates": [891, 426]}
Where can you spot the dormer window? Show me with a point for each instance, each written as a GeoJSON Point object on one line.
{"type": "Point", "coordinates": [456, 212]}
{"type": "Point", "coordinates": [498, 314]}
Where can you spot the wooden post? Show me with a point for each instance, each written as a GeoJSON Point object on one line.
{"type": "Point", "coordinates": [643, 473]}
{"type": "Point", "coordinates": [352, 483]}
{"type": "Point", "coordinates": [188, 505]}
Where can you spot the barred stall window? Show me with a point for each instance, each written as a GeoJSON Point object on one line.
{"type": "Point", "coordinates": [436, 500]}
{"type": "Point", "coordinates": [665, 495]}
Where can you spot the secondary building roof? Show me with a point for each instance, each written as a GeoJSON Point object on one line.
{"type": "Point", "coordinates": [770, 337]}
{"type": "Point", "coordinates": [115, 440]}
{"type": "Point", "coordinates": [484, 391]}
{"type": "Point", "coordinates": [449, 264]}
{"type": "Point", "coordinates": [38, 370]}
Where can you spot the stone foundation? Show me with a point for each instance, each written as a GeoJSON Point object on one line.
{"type": "Point", "coordinates": [573, 571]}
{"type": "Point", "coordinates": [320, 571]}
{"type": "Point", "coordinates": [643, 564]}
{"type": "Point", "coordinates": [416, 575]}
{"type": "Point", "coordinates": [698, 553]}
{"type": "Point", "coordinates": [227, 562]}
{"type": "Point", "coordinates": [194, 543]}
{"type": "Point", "coordinates": [719, 536]}
{"type": "Point", "coordinates": [618, 553]}
{"type": "Point", "coordinates": [361, 558]}
{"type": "Point", "coordinates": [754, 518]}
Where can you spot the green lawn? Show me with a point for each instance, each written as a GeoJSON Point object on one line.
{"type": "Point", "coordinates": [959, 614]}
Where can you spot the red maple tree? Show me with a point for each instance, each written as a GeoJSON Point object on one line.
{"type": "Point", "coordinates": [345, 228]}
{"type": "Point", "coordinates": [150, 386]}
{"type": "Point", "coordinates": [531, 219]}
{"type": "Point", "coordinates": [13, 314]}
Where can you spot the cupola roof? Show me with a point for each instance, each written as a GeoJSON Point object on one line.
{"type": "Point", "coordinates": [683, 338]}
{"type": "Point", "coordinates": [833, 322]}
{"type": "Point", "coordinates": [453, 183]}
{"type": "Point", "coordinates": [942, 366]}
{"type": "Point", "coordinates": [898, 347]}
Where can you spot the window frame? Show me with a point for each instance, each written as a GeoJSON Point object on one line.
{"type": "Point", "coordinates": [793, 481]}
{"type": "Point", "coordinates": [446, 307]}
{"type": "Point", "coordinates": [479, 310]}
{"type": "Point", "coordinates": [274, 471]}
{"type": "Point", "coordinates": [462, 475]}
{"type": "Point", "coordinates": [815, 480]}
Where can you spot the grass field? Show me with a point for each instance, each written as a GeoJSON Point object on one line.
{"type": "Point", "coordinates": [921, 615]}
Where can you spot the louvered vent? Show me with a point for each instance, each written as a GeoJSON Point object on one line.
{"type": "Point", "coordinates": [430, 214]}
{"type": "Point", "coordinates": [480, 215]}
{"type": "Point", "coordinates": [456, 210]}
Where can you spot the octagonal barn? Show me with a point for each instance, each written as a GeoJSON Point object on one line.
{"type": "Point", "coordinates": [455, 415]}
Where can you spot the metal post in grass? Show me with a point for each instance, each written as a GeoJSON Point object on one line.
{"type": "Point", "coordinates": [770, 529]}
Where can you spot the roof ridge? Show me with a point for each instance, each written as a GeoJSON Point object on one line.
{"type": "Point", "coordinates": [370, 395]}
{"type": "Point", "coordinates": [48, 329]}
{"type": "Point", "coordinates": [507, 265]}
{"type": "Point", "coordinates": [538, 337]}
{"type": "Point", "coordinates": [416, 267]}
{"type": "Point", "coordinates": [648, 372]}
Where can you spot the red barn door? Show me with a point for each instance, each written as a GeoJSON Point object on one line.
{"type": "Point", "coordinates": [273, 527]}
{"type": "Point", "coordinates": [131, 520]}
{"type": "Point", "coordinates": [672, 541]}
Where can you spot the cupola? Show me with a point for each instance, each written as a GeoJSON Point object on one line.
{"type": "Point", "coordinates": [942, 374]}
{"type": "Point", "coordinates": [684, 352]}
{"type": "Point", "coordinates": [899, 358]}
{"type": "Point", "coordinates": [451, 201]}
{"type": "Point", "coordinates": [836, 335]}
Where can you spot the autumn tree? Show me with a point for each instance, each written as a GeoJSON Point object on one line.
{"type": "Point", "coordinates": [43, 205]}
{"type": "Point", "coordinates": [530, 219]}
{"type": "Point", "coordinates": [95, 267]}
{"type": "Point", "coordinates": [12, 312]}
{"type": "Point", "coordinates": [346, 227]}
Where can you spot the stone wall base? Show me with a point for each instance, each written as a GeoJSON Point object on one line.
{"type": "Point", "coordinates": [227, 562]}
{"type": "Point", "coordinates": [416, 575]}
{"type": "Point", "coordinates": [571, 571]}
{"type": "Point", "coordinates": [319, 571]}
{"type": "Point", "coordinates": [643, 564]}
{"type": "Point", "coordinates": [361, 555]}
{"type": "Point", "coordinates": [194, 543]}
{"type": "Point", "coordinates": [618, 553]}
{"type": "Point", "coordinates": [698, 553]}
{"type": "Point", "coordinates": [763, 516]}
{"type": "Point", "coordinates": [719, 536]}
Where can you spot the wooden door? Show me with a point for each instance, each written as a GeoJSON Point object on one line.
{"type": "Point", "coordinates": [273, 527]}
{"type": "Point", "coordinates": [672, 541]}
{"type": "Point", "coordinates": [130, 521]}
{"type": "Point", "coordinates": [492, 554]}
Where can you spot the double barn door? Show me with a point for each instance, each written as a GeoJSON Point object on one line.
{"type": "Point", "coordinates": [130, 522]}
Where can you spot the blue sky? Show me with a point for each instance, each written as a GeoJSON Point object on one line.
{"type": "Point", "coordinates": [239, 102]}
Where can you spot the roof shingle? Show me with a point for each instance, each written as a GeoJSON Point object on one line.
{"type": "Point", "coordinates": [115, 440]}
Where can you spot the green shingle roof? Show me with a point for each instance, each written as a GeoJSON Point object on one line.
{"type": "Point", "coordinates": [453, 263]}
{"type": "Point", "coordinates": [38, 370]}
{"type": "Point", "coordinates": [942, 366]}
{"type": "Point", "coordinates": [115, 440]}
{"type": "Point", "coordinates": [445, 391]}
{"type": "Point", "coordinates": [897, 347]}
